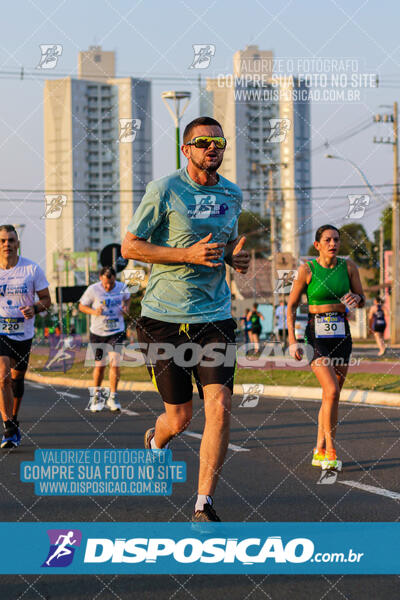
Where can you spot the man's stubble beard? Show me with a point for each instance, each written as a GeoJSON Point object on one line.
{"type": "Point", "coordinates": [201, 165]}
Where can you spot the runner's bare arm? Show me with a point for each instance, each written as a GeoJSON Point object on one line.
{"type": "Point", "coordinates": [355, 285]}
{"type": "Point", "coordinates": [125, 306]}
{"type": "Point", "coordinates": [44, 301]}
{"type": "Point", "coordinates": [299, 287]}
{"type": "Point", "coordinates": [371, 313]}
{"type": "Point", "coordinates": [200, 253]}
{"type": "Point", "coordinates": [88, 310]}
{"type": "Point", "coordinates": [236, 257]}
{"type": "Point", "coordinates": [43, 304]}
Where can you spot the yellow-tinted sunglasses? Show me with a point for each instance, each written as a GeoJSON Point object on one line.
{"type": "Point", "coordinates": [204, 141]}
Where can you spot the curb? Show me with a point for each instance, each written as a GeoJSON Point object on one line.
{"type": "Point", "coordinates": [274, 391]}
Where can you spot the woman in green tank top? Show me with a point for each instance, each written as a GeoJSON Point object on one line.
{"type": "Point", "coordinates": [331, 284]}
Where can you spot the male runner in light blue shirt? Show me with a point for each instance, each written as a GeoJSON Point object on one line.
{"type": "Point", "coordinates": [187, 226]}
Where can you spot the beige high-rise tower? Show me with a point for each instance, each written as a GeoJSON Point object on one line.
{"type": "Point", "coordinates": [98, 155]}
{"type": "Point", "coordinates": [251, 109]}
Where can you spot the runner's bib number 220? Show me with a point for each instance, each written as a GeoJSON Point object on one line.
{"type": "Point", "coordinates": [12, 325]}
{"type": "Point", "coordinates": [329, 326]}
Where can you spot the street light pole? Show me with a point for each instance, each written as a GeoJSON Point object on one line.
{"type": "Point", "coordinates": [270, 203]}
{"type": "Point", "coordinates": [176, 115]}
{"type": "Point", "coordinates": [373, 191]}
{"type": "Point", "coordinates": [395, 319]}
{"type": "Point", "coordinates": [395, 298]}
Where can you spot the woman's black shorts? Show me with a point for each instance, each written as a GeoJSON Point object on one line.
{"type": "Point", "coordinates": [172, 373]}
{"type": "Point", "coordinates": [336, 348]}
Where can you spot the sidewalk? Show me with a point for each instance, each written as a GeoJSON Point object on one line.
{"type": "Point", "coordinates": [365, 366]}
{"type": "Point", "coordinates": [278, 391]}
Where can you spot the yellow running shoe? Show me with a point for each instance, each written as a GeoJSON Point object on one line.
{"type": "Point", "coordinates": [331, 462]}
{"type": "Point", "coordinates": [318, 456]}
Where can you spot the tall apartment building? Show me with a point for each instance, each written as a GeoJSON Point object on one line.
{"type": "Point", "coordinates": [98, 154]}
{"type": "Point", "coordinates": [249, 105]}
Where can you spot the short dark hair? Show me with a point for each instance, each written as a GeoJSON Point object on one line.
{"type": "Point", "coordinates": [108, 272]}
{"type": "Point", "coordinates": [187, 134]}
{"type": "Point", "coordinates": [378, 299]}
{"type": "Point", "coordinates": [9, 228]}
{"type": "Point", "coordinates": [323, 228]}
{"type": "Point", "coordinates": [255, 305]}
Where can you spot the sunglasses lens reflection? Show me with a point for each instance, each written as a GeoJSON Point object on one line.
{"type": "Point", "coordinates": [205, 142]}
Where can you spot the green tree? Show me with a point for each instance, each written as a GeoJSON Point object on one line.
{"type": "Point", "coordinates": [354, 242]}
{"type": "Point", "coordinates": [135, 308]}
{"type": "Point", "coordinates": [257, 231]}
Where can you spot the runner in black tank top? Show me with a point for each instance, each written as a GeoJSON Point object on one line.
{"type": "Point", "coordinates": [377, 324]}
{"type": "Point", "coordinates": [255, 318]}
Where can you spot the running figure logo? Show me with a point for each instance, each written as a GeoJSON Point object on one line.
{"type": "Point", "coordinates": [62, 353]}
{"type": "Point", "coordinates": [132, 279]}
{"type": "Point", "coordinates": [54, 206]}
{"type": "Point", "coordinates": [128, 129]}
{"type": "Point", "coordinates": [206, 206]}
{"type": "Point", "coordinates": [357, 205]}
{"type": "Point", "coordinates": [203, 54]}
{"type": "Point", "coordinates": [50, 55]}
{"type": "Point", "coordinates": [99, 395]}
{"type": "Point", "coordinates": [251, 394]}
{"type": "Point", "coordinates": [284, 283]}
{"type": "Point", "coordinates": [63, 543]}
{"type": "Point", "coordinates": [279, 130]}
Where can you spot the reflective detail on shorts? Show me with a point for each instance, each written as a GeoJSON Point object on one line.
{"type": "Point", "coordinates": [184, 328]}
{"type": "Point", "coordinates": [153, 379]}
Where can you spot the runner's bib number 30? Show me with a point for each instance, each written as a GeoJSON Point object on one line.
{"type": "Point", "coordinates": [12, 325]}
{"type": "Point", "coordinates": [329, 326]}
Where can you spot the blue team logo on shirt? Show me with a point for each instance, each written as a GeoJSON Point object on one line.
{"type": "Point", "coordinates": [206, 206]}
{"type": "Point", "coordinates": [13, 290]}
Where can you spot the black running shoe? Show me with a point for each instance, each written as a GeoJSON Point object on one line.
{"type": "Point", "coordinates": [10, 436]}
{"type": "Point", "coordinates": [16, 423]}
{"type": "Point", "coordinates": [205, 515]}
{"type": "Point", "coordinates": [148, 436]}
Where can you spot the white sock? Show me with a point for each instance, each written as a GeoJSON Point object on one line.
{"type": "Point", "coordinates": [154, 446]}
{"type": "Point", "coordinates": [113, 394]}
{"type": "Point", "coordinates": [202, 499]}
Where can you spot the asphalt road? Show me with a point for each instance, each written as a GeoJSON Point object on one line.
{"type": "Point", "coordinates": [267, 477]}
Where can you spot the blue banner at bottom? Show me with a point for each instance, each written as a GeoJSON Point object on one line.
{"type": "Point", "coordinates": [201, 548]}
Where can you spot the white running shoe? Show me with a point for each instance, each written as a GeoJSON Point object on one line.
{"type": "Point", "coordinates": [113, 404]}
{"type": "Point", "coordinates": [97, 403]}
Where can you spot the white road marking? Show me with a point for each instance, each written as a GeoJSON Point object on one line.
{"type": "Point", "coordinates": [327, 478]}
{"type": "Point", "coordinates": [230, 446]}
{"type": "Point", "coordinates": [36, 385]}
{"type": "Point", "coordinates": [372, 489]}
{"type": "Point", "coordinates": [131, 413]}
{"type": "Point", "coordinates": [389, 406]}
{"type": "Point", "coordinates": [68, 394]}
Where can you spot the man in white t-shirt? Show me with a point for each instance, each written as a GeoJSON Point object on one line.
{"type": "Point", "coordinates": [106, 302]}
{"type": "Point", "coordinates": [20, 280]}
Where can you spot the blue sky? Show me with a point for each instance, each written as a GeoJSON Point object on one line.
{"type": "Point", "coordinates": [154, 38]}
